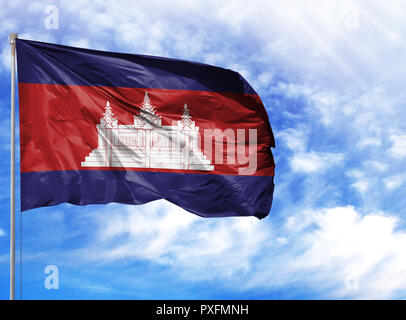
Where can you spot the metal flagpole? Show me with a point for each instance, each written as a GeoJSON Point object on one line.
{"type": "Point", "coordinates": [13, 37]}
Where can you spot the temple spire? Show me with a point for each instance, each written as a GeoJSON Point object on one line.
{"type": "Point", "coordinates": [108, 117]}
{"type": "Point", "coordinates": [186, 118]}
{"type": "Point", "coordinates": [147, 109]}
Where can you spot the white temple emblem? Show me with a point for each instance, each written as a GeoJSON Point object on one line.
{"type": "Point", "coordinates": [147, 143]}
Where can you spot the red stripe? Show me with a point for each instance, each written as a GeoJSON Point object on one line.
{"type": "Point", "coordinates": [58, 122]}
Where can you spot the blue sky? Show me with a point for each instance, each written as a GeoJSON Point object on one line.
{"type": "Point", "coordinates": [331, 75]}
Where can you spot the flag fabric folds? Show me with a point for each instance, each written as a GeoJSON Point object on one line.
{"type": "Point", "coordinates": [99, 127]}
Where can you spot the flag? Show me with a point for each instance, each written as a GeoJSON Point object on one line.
{"type": "Point", "coordinates": [99, 127]}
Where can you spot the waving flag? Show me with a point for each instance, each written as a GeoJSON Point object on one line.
{"type": "Point", "coordinates": [100, 127]}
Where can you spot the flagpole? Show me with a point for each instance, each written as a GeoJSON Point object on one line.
{"type": "Point", "coordinates": [13, 37]}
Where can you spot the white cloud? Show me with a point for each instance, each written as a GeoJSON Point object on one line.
{"type": "Point", "coordinates": [379, 166]}
{"type": "Point", "coordinates": [326, 103]}
{"type": "Point", "coordinates": [362, 185]}
{"type": "Point", "coordinates": [361, 177]}
{"type": "Point", "coordinates": [81, 43]}
{"type": "Point", "coordinates": [369, 142]}
{"type": "Point", "coordinates": [166, 234]}
{"type": "Point", "coordinates": [294, 138]}
{"type": "Point", "coordinates": [2, 233]}
{"type": "Point", "coordinates": [314, 162]}
{"type": "Point", "coordinates": [395, 181]}
{"type": "Point", "coordinates": [326, 247]}
{"type": "Point", "coordinates": [398, 148]}
{"type": "Point", "coordinates": [316, 249]}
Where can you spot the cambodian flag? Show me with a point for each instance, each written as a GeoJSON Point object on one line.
{"type": "Point", "coordinates": [99, 127]}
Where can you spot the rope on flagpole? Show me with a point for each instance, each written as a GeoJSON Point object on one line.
{"type": "Point", "coordinates": [13, 37]}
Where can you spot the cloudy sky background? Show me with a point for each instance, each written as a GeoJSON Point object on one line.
{"type": "Point", "coordinates": [332, 76]}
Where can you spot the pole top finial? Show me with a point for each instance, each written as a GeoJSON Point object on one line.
{"type": "Point", "coordinates": [13, 37]}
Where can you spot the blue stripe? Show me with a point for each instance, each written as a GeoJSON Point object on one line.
{"type": "Point", "coordinates": [46, 63]}
{"type": "Point", "coordinates": [206, 195]}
